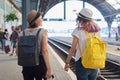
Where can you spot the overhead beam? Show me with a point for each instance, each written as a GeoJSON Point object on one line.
{"type": "Point", "coordinates": [13, 3]}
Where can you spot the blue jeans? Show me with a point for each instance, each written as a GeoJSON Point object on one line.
{"type": "Point", "coordinates": [3, 44]}
{"type": "Point", "coordinates": [83, 73]}
{"type": "Point", "coordinates": [13, 44]}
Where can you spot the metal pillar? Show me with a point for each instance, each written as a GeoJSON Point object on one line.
{"type": "Point", "coordinates": [4, 14]}
{"type": "Point", "coordinates": [83, 3]}
{"type": "Point", "coordinates": [64, 9]}
{"type": "Point", "coordinates": [38, 4]}
{"type": "Point", "coordinates": [27, 6]}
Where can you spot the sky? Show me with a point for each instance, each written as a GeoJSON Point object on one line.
{"type": "Point", "coordinates": [72, 7]}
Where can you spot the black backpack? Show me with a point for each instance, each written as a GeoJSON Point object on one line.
{"type": "Point", "coordinates": [28, 54]}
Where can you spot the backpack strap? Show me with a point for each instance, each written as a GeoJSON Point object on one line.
{"type": "Point", "coordinates": [23, 32]}
{"type": "Point", "coordinates": [95, 34]}
{"type": "Point", "coordinates": [79, 42]}
{"type": "Point", "coordinates": [37, 40]}
{"type": "Point", "coordinates": [38, 32]}
{"type": "Point", "coordinates": [88, 34]}
{"type": "Point", "coordinates": [80, 49]}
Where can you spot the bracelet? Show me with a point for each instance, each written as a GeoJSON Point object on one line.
{"type": "Point", "coordinates": [66, 63]}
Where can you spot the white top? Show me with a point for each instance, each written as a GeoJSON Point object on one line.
{"type": "Point", "coordinates": [81, 35]}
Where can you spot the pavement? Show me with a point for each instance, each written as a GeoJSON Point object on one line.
{"type": "Point", "coordinates": [9, 70]}
{"type": "Point", "coordinates": [111, 41]}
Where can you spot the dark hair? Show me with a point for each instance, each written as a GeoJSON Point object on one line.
{"type": "Point", "coordinates": [20, 27]}
{"type": "Point", "coordinates": [33, 25]}
{"type": "Point", "coordinates": [80, 19]}
{"type": "Point", "coordinates": [6, 30]}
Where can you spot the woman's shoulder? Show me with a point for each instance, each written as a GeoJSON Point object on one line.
{"type": "Point", "coordinates": [36, 29]}
{"type": "Point", "coordinates": [78, 30]}
{"type": "Point", "coordinates": [43, 30]}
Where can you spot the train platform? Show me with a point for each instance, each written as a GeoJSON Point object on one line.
{"type": "Point", "coordinates": [10, 70]}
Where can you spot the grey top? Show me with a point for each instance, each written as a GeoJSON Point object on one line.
{"type": "Point", "coordinates": [33, 31]}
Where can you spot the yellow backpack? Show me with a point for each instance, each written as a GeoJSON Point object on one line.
{"type": "Point", "coordinates": [95, 53]}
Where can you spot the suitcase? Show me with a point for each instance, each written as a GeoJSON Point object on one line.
{"type": "Point", "coordinates": [7, 48]}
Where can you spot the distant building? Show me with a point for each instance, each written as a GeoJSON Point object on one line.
{"type": "Point", "coordinates": [5, 8]}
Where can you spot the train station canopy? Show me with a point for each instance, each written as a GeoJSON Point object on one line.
{"type": "Point", "coordinates": [108, 8]}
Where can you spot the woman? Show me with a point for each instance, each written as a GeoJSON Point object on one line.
{"type": "Point", "coordinates": [14, 38]}
{"type": "Point", "coordinates": [35, 23]}
{"type": "Point", "coordinates": [85, 23]}
{"type": "Point", "coordinates": [4, 39]}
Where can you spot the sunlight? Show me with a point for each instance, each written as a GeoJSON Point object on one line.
{"type": "Point", "coordinates": [57, 26]}
{"type": "Point", "coordinates": [114, 3]}
{"type": "Point", "coordinates": [72, 7]}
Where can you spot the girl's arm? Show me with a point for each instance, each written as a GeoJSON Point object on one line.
{"type": "Point", "coordinates": [45, 54]}
{"type": "Point", "coordinates": [71, 52]}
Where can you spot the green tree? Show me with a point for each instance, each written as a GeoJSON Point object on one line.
{"type": "Point", "coordinates": [11, 17]}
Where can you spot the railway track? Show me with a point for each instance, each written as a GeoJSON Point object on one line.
{"type": "Point", "coordinates": [110, 72]}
